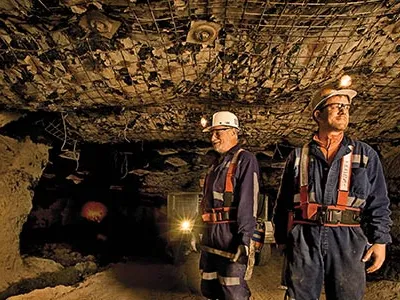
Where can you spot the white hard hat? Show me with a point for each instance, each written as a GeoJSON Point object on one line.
{"type": "Point", "coordinates": [223, 118]}
{"type": "Point", "coordinates": [329, 91]}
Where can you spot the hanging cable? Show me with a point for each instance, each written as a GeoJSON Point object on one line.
{"type": "Point", "coordinates": [76, 156]}
{"type": "Point", "coordinates": [124, 166]}
{"type": "Point", "coordinates": [63, 117]}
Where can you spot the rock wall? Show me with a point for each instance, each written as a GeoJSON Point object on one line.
{"type": "Point", "coordinates": [21, 165]}
{"type": "Point", "coordinates": [390, 156]}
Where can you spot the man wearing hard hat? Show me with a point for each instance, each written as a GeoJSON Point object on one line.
{"type": "Point", "coordinates": [332, 212]}
{"type": "Point", "coordinates": [229, 213]}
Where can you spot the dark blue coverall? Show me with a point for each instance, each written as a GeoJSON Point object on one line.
{"type": "Point", "coordinates": [317, 254]}
{"type": "Point", "coordinates": [220, 278]}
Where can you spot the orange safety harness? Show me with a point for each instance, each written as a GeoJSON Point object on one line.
{"type": "Point", "coordinates": [227, 213]}
{"type": "Point", "coordinates": [325, 215]}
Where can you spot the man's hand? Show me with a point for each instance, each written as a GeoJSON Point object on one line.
{"type": "Point", "coordinates": [193, 242]}
{"type": "Point", "coordinates": [240, 251]}
{"type": "Point", "coordinates": [378, 253]}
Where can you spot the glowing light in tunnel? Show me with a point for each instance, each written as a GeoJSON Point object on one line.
{"type": "Point", "coordinates": [345, 81]}
{"type": "Point", "coordinates": [186, 225]}
{"type": "Point", "coordinates": [94, 211]}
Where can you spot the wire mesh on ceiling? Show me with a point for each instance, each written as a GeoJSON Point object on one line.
{"type": "Point", "coordinates": [152, 56]}
{"type": "Point", "coordinates": [64, 56]}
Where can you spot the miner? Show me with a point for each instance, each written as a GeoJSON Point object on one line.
{"type": "Point", "coordinates": [229, 208]}
{"type": "Point", "coordinates": [332, 212]}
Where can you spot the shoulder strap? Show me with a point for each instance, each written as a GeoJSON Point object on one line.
{"type": "Point", "coordinates": [231, 172]}
{"type": "Point", "coordinates": [344, 179]}
{"type": "Point", "coordinates": [303, 173]}
{"type": "Point", "coordinates": [307, 210]}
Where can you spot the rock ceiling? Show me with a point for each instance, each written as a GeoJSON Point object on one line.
{"type": "Point", "coordinates": [130, 70]}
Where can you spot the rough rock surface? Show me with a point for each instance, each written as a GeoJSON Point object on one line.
{"type": "Point", "coordinates": [21, 166]}
{"type": "Point", "coordinates": [144, 280]}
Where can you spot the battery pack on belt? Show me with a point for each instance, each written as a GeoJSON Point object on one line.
{"type": "Point", "coordinates": [220, 215]}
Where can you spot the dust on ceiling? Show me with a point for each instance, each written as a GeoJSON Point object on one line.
{"type": "Point", "coordinates": [130, 70]}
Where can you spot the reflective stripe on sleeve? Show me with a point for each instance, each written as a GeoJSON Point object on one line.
{"type": "Point", "coordinates": [209, 276]}
{"type": "Point", "coordinates": [229, 281]}
{"type": "Point", "coordinates": [255, 193]}
{"type": "Point", "coordinates": [218, 196]}
{"type": "Point", "coordinates": [350, 200]}
{"type": "Point", "coordinates": [357, 159]}
{"type": "Point", "coordinates": [297, 162]}
{"type": "Point", "coordinates": [358, 203]}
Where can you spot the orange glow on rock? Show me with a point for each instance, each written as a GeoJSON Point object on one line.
{"type": "Point", "coordinates": [94, 211]}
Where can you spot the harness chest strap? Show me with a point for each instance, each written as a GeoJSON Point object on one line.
{"type": "Point", "coordinates": [231, 172]}
{"type": "Point", "coordinates": [344, 179]}
{"type": "Point", "coordinates": [309, 210]}
{"type": "Point", "coordinates": [226, 214]}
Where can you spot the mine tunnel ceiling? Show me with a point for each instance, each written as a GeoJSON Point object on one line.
{"type": "Point", "coordinates": [123, 70]}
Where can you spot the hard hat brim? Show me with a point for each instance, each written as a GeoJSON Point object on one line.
{"type": "Point", "coordinates": [208, 129]}
{"type": "Point", "coordinates": [343, 92]}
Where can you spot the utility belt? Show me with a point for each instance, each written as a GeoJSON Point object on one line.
{"type": "Point", "coordinates": [330, 215]}
{"type": "Point", "coordinates": [220, 215]}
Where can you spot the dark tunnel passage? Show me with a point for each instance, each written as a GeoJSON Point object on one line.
{"type": "Point", "coordinates": [94, 208]}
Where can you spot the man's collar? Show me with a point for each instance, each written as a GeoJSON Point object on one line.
{"type": "Point", "coordinates": [346, 141]}
{"type": "Point", "coordinates": [328, 140]}
{"type": "Point", "coordinates": [232, 150]}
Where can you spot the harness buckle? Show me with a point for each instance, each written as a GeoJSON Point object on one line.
{"type": "Point", "coordinates": [329, 216]}
{"type": "Point", "coordinates": [321, 216]}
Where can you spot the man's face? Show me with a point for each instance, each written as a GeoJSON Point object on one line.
{"type": "Point", "coordinates": [334, 114]}
{"type": "Point", "coordinates": [223, 138]}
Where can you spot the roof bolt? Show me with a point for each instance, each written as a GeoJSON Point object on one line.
{"type": "Point", "coordinates": [203, 36]}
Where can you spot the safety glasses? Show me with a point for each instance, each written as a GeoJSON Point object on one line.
{"type": "Point", "coordinates": [218, 132]}
{"type": "Point", "coordinates": [336, 106]}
